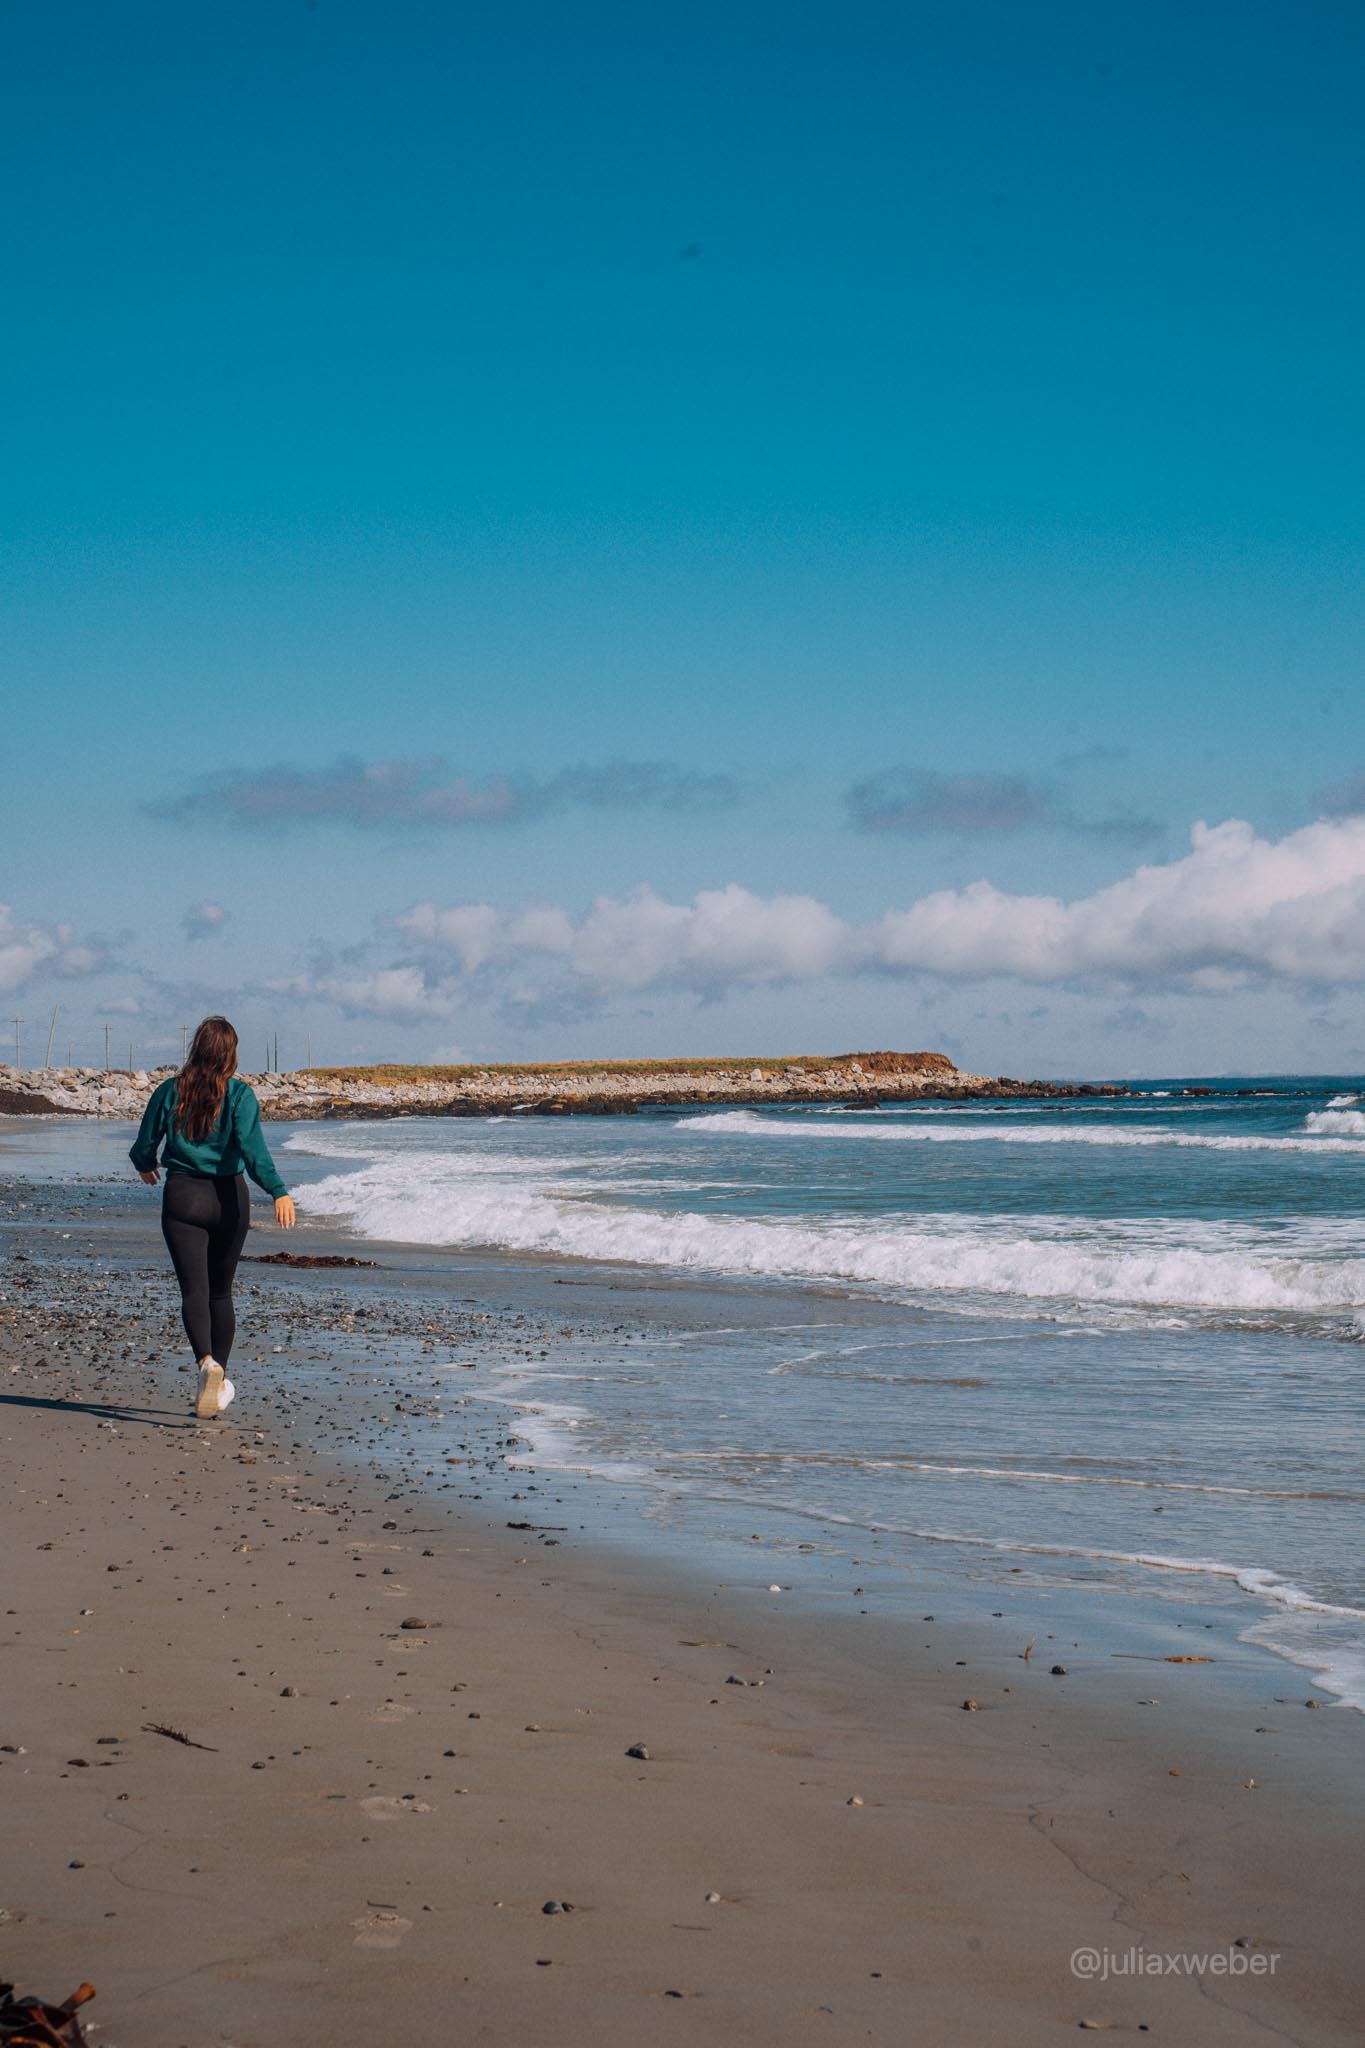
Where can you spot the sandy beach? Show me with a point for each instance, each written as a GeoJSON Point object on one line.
{"type": "Point", "coordinates": [408, 1799]}
{"type": "Point", "coordinates": [684, 872]}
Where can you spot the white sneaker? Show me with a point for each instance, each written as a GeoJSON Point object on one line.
{"type": "Point", "coordinates": [208, 1400]}
{"type": "Point", "coordinates": [226, 1393]}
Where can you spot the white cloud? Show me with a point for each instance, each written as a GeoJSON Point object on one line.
{"type": "Point", "coordinates": [478, 935]}
{"type": "Point", "coordinates": [1236, 910]}
{"type": "Point", "coordinates": [203, 920]}
{"type": "Point", "coordinates": [722, 937]}
{"type": "Point", "coordinates": [404, 993]}
{"type": "Point", "coordinates": [642, 941]}
{"type": "Point", "coordinates": [27, 950]}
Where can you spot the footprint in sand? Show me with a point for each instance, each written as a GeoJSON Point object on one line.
{"type": "Point", "coordinates": [380, 1930]}
{"type": "Point", "coordinates": [391, 1711]}
{"type": "Point", "coordinates": [380, 1808]}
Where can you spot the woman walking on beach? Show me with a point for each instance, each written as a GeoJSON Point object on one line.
{"type": "Point", "coordinates": [206, 1128]}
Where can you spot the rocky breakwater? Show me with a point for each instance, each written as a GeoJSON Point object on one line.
{"type": "Point", "coordinates": [75, 1091]}
{"type": "Point", "coordinates": [616, 1088]}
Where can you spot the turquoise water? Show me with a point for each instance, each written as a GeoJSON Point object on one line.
{"type": "Point", "coordinates": [1096, 1343]}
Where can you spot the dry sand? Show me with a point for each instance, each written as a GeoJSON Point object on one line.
{"type": "Point", "coordinates": [363, 1844]}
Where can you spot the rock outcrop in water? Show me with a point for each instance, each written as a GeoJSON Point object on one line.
{"type": "Point", "coordinates": [607, 1088]}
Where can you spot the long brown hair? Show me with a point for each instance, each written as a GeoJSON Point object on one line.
{"type": "Point", "coordinates": [202, 1082]}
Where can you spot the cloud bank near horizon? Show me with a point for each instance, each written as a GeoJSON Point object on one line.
{"type": "Point", "coordinates": [1236, 911]}
{"type": "Point", "coordinates": [424, 793]}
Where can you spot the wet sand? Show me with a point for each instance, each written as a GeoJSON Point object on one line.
{"type": "Point", "coordinates": [820, 1844]}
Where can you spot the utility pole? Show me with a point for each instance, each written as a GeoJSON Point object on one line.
{"type": "Point", "coordinates": [106, 1048]}
{"type": "Point", "coordinates": [69, 1061]}
{"type": "Point", "coordinates": [47, 1056]}
{"type": "Point", "coordinates": [277, 1052]}
{"type": "Point", "coordinates": [18, 1027]}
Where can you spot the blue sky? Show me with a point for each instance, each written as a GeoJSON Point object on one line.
{"type": "Point", "coordinates": [837, 455]}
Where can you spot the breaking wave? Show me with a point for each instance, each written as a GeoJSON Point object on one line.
{"type": "Point", "coordinates": [434, 1199]}
{"type": "Point", "coordinates": [1336, 1123]}
{"type": "Point", "coordinates": [1324, 1131]}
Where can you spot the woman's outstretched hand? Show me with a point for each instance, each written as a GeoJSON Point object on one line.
{"type": "Point", "coordinates": [284, 1211]}
{"type": "Point", "coordinates": [150, 1174]}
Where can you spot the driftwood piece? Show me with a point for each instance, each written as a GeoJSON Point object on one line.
{"type": "Point", "coordinates": [174, 1735]}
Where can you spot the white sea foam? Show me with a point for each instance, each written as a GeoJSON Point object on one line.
{"type": "Point", "coordinates": [1343, 1101]}
{"type": "Point", "coordinates": [1317, 1634]}
{"type": "Point", "coordinates": [444, 1199]}
{"type": "Point", "coordinates": [750, 1123]}
{"type": "Point", "coordinates": [1314, 1641]}
{"type": "Point", "coordinates": [645, 1195]}
{"type": "Point", "coordinates": [1313, 1633]}
{"type": "Point", "coordinates": [1336, 1123]}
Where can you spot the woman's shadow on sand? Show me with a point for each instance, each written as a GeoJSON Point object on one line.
{"type": "Point", "coordinates": [104, 1411]}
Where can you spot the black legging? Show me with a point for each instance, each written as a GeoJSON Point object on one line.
{"type": "Point", "coordinates": [204, 1222]}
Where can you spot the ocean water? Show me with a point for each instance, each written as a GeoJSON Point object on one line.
{"type": "Point", "coordinates": [1101, 1344]}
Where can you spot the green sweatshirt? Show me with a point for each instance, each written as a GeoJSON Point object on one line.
{"type": "Point", "coordinates": [234, 1145]}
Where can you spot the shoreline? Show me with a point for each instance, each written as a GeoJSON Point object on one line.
{"type": "Point", "coordinates": [946, 1882]}
{"type": "Point", "coordinates": [1126, 1602]}
{"type": "Point", "coordinates": [584, 1088]}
